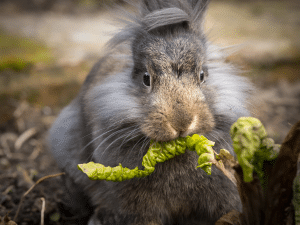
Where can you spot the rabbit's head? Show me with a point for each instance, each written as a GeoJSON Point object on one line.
{"type": "Point", "coordinates": [176, 85]}
{"type": "Point", "coordinates": [170, 72]}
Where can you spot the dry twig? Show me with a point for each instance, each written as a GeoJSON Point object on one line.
{"type": "Point", "coordinates": [43, 210]}
{"type": "Point", "coordinates": [27, 192]}
{"type": "Point", "coordinates": [24, 137]}
{"type": "Point", "coordinates": [221, 166]}
{"type": "Point", "coordinates": [8, 189]}
{"type": "Point", "coordinates": [4, 143]}
{"type": "Point", "coordinates": [225, 171]}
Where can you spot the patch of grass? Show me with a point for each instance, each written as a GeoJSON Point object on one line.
{"type": "Point", "coordinates": [14, 64]}
{"type": "Point", "coordinates": [21, 53]}
{"type": "Point", "coordinates": [28, 68]}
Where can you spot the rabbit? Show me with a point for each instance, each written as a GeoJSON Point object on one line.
{"type": "Point", "coordinates": [159, 79]}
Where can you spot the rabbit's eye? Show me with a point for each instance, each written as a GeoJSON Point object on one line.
{"type": "Point", "coordinates": [201, 76]}
{"type": "Point", "coordinates": [146, 79]}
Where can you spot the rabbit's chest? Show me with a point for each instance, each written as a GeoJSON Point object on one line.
{"type": "Point", "coordinates": [174, 186]}
{"type": "Point", "coordinates": [176, 190]}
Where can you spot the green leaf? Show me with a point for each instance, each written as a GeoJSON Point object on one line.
{"type": "Point", "coordinates": [158, 152]}
{"type": "Point", "coordinates": [250, 144]}
{"type": "Point", "coordinates": [252, 147]}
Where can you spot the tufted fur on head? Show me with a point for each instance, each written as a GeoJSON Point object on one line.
{"type": "Point", "coordinates": [155, 14]}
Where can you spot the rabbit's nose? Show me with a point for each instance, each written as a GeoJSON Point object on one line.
{"type": "Point", "coordinates": [189, 128]}
{"type": "Point", "coordinates": [183, 134]}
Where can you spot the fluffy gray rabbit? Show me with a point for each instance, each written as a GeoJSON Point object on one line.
{"type": "Point", "coordinates": [160, 79]}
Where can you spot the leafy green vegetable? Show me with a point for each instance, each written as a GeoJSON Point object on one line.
{"type": "Point", "coordinates": [158, 152]}
{"type": "Point", "coordinates": [252, 146]}
{"type": "Point", "coordinates": [203, 148]}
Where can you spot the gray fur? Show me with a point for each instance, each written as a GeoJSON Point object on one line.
{"type": "Point", "coordinates": [157, 13]}
{"type": "Point", "coordinates": [232, 90]}
{"type": "Point", "coordinates": [164, 17]}
{"type": "Point", "coordinates": [115, 115]}
{"type": "Point", "coordinates": [112, 97]}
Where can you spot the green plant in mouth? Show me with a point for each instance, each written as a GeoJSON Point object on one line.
{"type": "Point", "coordinates": [158, 152]}
{"type": "Point", "coordinates": [250, 144]}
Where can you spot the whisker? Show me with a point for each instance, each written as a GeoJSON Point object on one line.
{"type": "Point", "coordinates": [116, 132]}
{"type": "Point", "coordinates": [97, 138]}
{"type": "Point", "coordinates": [217, 136]}
{"type": "Point", "coordinates": [103, 128]}
{"type": "Point", "coordinates": [226, 142]}
{"type": "Point", "coordinates": [141, 150]}
{"type": "Point", "coordinates": [138, 141]}
{"type": "Point", "coordinates": [212, 135]}
{"type": "Point", "coordinates": [134, 136]}
{"type": "Point", "coordinates": [135, 144]}
{"type": "Point", "coordinates": [111, 144]}
{"type": "Point", "coordinates": [128, 136]}
{"type": "Point", "coordinates": [128, 153]}
{"type": "Point", "coordinates": [121, 130]}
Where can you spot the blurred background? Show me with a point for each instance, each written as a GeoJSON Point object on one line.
{"type": "Point", "coordinates": [47, 48]}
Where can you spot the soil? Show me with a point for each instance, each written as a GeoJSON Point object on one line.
{"type": "Point", "coordinates": [25, 160]}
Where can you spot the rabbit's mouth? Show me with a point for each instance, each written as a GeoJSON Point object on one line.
{"type": "Point", "coordinates": [169, 130]}
{"type": "Point", "coordinates": [183, 131]}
